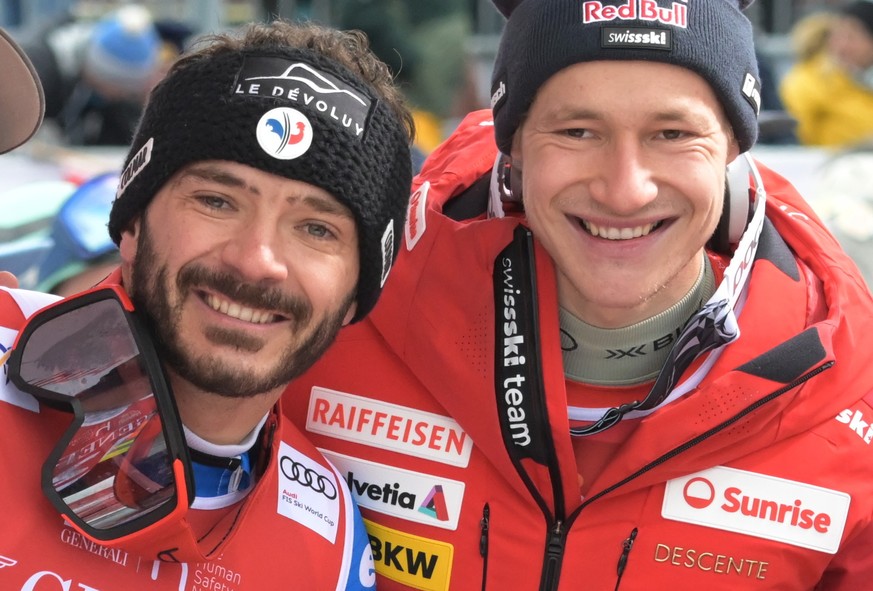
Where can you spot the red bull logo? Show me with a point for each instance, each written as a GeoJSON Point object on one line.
{"type": "Point", "coordinates": [675, 15]}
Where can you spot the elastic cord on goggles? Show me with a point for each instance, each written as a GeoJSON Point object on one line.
{"type": "Point", "coordinates": [120, 474]}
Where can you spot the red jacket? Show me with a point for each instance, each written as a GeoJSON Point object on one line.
{"type": "Point", "coordinates": [286, 535]}
{"type": "Point", "coordinates": [760, 478]}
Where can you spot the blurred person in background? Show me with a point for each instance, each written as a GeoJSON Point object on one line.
{"type": "Point", "coordinates": [97, 75]}
{"type": "Point", "coordinates": [424, 44]}
{"type": "Point", "coordinates": [830, 88]}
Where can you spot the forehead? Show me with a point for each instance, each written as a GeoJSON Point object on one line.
{"type": "Point", "coordinates": [630, 88]}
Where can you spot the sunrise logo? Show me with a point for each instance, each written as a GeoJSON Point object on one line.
{"type": "Point", "coordinates": [434, 504]}
{"type": "Point", "coordinates": [760, 505]}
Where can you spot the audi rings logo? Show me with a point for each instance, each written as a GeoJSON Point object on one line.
{"type": "Point", "coordinates": [297, 472]}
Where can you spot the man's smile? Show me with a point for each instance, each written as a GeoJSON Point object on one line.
{"type": "Point", "coordinates": [235, 310]}
{"type": "Point", "coordinates": [616, 233]}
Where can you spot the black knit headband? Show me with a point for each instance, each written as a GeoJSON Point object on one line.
{"type": "Point", "coordinates": [289, 112]}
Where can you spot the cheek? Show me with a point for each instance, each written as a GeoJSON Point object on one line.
{"type": "Point", "coordinates": [711, 204]}
{"type": "Point", "coordinates": [544, 181]}
{"type": "Point", "coordinates": [326, 282]}
{"type": "Point", "coordinates": [534, 202]}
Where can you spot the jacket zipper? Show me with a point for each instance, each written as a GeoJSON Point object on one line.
{"type": "Point", "coordinates": [557, 533]}
{"type": "Point", "coordinates": [555, 530]}
{"type": "Point", "coordinates": [554, 556]}
{"type": "Point", "coordinates": [628, 543]}
{"type": "Point", "coordinates": [622, 560]}
{"type": "Point", "coordinates": [483, 541]}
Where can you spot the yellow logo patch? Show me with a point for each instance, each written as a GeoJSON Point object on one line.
{"type": "Point", "coordinates": [417, 562]}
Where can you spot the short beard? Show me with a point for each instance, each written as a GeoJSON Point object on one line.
{"type": "Point", "coordinates": [150, 291]}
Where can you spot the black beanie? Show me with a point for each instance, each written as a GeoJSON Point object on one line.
{"type": "Point", "coordinates": [290, 112]}
{"type": "Point", "coordinates": [710, 37]}
{"type": "Point", "coordinates": [863, 11]}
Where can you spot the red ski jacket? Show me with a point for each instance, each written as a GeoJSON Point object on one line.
{"type": "Point", "coordinates": [447, 413]}
{"type": "Point", "coordinates": [297, 529]}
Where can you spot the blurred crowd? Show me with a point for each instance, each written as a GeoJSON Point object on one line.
{"type": "Point", "coordinates": [97, 72]}
{"type": "Point", "coordinates": [96, 75]}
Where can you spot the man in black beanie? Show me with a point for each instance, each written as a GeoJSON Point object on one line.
{"type": "Point", "coordinates": [260, 210]}
{"type": "Point", "coordinates": [615, 353]}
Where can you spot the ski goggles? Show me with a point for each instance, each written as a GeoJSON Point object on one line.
{"type": "Point", "coordinates": [120, 473]}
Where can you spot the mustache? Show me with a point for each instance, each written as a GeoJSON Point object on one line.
{"type": "Point", "coordinates": [251, 295]}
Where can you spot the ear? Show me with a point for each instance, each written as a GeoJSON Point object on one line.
{"type": "Point", "coordinates": [351, 313]}
{"type": "Point", "coordinates": [127, 247]}
{"type": "Point", "coordinates": [516, 165]}
{"type": "Point", "coordinates": [733, 150]}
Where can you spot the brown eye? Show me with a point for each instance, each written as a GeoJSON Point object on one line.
{"type": "Point", "coordinates": [577, 133]}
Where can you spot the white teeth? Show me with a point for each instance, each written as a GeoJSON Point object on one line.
{"type": "Point", "coordinates": [611, 233]}
{"type": "Point", "coordinates": [234, 310]}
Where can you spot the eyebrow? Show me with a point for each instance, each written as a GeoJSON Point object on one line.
{"type": "Point", "coordinates": [683, 115]}
{"type": "Point", "coordinates": [323, 205]}
{"type": "Point", "coordinates": [217, 175]}
{"type": "Point", "coordinates": [563, 113]}
{"type": "Point", "coordinates": [671, 115]}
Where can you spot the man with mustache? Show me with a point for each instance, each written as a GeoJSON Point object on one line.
{"type": "Point", "coordinates": [614, 353]}
{"type": "Point", "coordinates": [243, 254]}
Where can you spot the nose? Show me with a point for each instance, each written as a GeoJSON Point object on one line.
{"type": "Point", "coordinates": [255, 253]}
{"type": "Point", "coordinates": [623, 180]}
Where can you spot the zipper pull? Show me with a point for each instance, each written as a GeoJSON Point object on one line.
{"type": "Point", "coordinates": [626, 548]}
{"type": "Point", "coordinates": [556, 541]}
{"type": "Point", "coordinates": [483, 526]}
{"type": "Point", "coordinates": [554, 557]}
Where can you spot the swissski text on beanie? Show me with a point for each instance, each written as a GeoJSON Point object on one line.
{"type": "Point", "coordinates": [710, 37]}
{"type": "Point", "coordinates": [290, 112]}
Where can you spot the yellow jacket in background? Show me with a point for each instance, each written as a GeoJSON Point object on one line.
{"type": "Point", "coordinates": [831, 107]}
